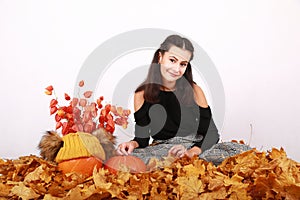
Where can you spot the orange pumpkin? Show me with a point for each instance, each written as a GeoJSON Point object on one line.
{"type": "Point", "coordinates": [132, 163]}
{"type": "Point", "coordinates": [84, 165]}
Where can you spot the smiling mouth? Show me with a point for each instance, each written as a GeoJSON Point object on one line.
{"type": "Point", "coordinates": [172, 74]}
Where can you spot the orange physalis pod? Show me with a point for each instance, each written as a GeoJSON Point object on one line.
{"type": "Point", "coordinates": [58, 125]}
{"type": "Point", "coordinates": [81, 83]}
{"type": "Point", "coordinates": [53, 102]}
{"type": "Point", "coordinates": [60, 113]}
{"type": "Point", "coordinates": [99, 103]}
{"type": "Point", "coordinates": [67, 97]}
{"type": "Point", "coordinates": [107, 107]}
{"type": "Point", "coordinates": [87, 94]}
{"type": "Point", "coordinates": [120, 111]}
{"type": "Point", "coordinates": [57, 118]}
{"type": "Point", "coordinates": [49, 88]}
{"type": "Point", "coordinates": [82, 102]}
{"type": "Point", "coordinates": [47, 92]}
{"type": "Point", "coordinates": [74, 102]}
{"type": "Point", "coordinates": [53, 110]}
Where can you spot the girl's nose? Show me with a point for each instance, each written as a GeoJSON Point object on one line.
{"type": "Point", "coordinates": [176, 67]}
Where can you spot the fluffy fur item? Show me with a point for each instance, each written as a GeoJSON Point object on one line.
{"type": "Point", "coordinates": [107, 141]}
{"type": "Point", "coordinates": [49, 145]}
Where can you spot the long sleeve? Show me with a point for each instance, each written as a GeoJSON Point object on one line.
{"type": "Point", "coordinates": [207, 129]}
{"type": "Point", "coordinates": [142, 128]}
{"type": "Point", "coordinates": [212, 136]}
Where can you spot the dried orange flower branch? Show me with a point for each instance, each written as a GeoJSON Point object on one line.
{"type": "Point", "coordinates": [86, 116]}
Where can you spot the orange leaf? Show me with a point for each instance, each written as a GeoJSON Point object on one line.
{"type": "Point", "coordinates": [81, 83]}
{"type": "Point", "coordinates": [88, 94]}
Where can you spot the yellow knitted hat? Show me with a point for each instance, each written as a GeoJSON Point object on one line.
{"type": "Point", "coordinates": [80, 144]}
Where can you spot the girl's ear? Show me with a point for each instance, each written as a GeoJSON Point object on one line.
{"type": "Point", "coordinates": [159, 57]}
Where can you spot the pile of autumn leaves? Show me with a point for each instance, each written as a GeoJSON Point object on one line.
{"type": "Point", "coordinates": [250, 175]}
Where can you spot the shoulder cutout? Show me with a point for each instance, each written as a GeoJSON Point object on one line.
{"type": "Point", "coordinates": [138, 100]}
{"type": "Point", "coordinates": [200, 97]}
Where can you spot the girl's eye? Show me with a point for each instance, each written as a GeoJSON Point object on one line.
{"type": "Point", "coordinates": [172, 60]}
{"type": "Point", "coordinates": [183, 65]}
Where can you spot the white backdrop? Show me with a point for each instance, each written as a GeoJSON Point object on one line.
{"type": "Point", "coordinates": [254, 44]}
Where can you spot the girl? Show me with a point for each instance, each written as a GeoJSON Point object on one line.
{"type": "Point", "coordinates": [170, 107]}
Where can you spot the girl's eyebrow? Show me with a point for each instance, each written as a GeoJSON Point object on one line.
{"type": "Point", "coordinates": [177, 59]}
{"type": "Point", "coordinates": [174, 57]}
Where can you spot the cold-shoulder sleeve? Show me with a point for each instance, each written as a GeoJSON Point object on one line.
{"type": "Point", "coordinates": [142, 128]}
{"type": "Point", "coordinates": [207, 129]}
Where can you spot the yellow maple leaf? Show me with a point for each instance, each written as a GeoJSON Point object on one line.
{"type": "Point", "coordinates": [99, 178]}
{"type": "Point", "coordinates": [190, 187]}
{"type": "Point", "coordinates": [24, 192]}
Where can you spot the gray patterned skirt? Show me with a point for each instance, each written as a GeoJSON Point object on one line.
{"type": "Point", "coordinates": [216, 154]}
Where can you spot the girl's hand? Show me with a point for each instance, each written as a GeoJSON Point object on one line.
{"type": "Point", "coordinates": [126, 148]}
{"type": "Point", "coordinates": [178, 151]}
{"type": "Point", "coordinates": [193, 151]}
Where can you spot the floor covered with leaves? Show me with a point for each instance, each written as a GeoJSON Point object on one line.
{"type": "Point", "coordinates": [250, 175]}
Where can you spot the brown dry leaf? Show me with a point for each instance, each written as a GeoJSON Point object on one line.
{"type": "Point", "coordinates": [5, 189]}
{"type": "Point", "coordinates": [276, 153]}
{"type": "Point", "coordinates": [237, 188]}
{"type": "Point", "coordinates": [74, 194]}
{"type": "Point", "coordinates": [88, 190]}
{"type": "Point", "coordinates": [189, 187]}
{"type": "Point", "coordinates": [156, 193]}
{"type": "Point", "coordinates": [246, 163]}
{"type": "Point", "coordinates": [115, 190]}
{"type": "Point", "coordinates": [191, 170]}
{"type": "Point", "coordinates": [123, 177]}
{"type": "Point", "coordinates": [235, 179]}
{"type": "Point", "coordinates": [215, 183]}
{"type": "Point", "coordinates": [240, 195]}
{"type": "Point", "coordinates": [99, 178]}
{"type": "Point", "coordinates": [292, 192]}
{"type": "Point", "coordinates": [71, 180]}
{"type": "Point", "coordinates": [34, 175]}
{"type": "Point", "coordinates": [155, 163]}
{"type": "Point", "coordinates": [144, 185]}
{"type": "Point", "coordinates": [24, 192]}
{"type": "Point", "coordinates": [50, 197]}
{"type": "Point", "coordinates": [218, 194]}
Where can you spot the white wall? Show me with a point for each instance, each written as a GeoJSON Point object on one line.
{"type": "Point", "coordinates": [253, 43]}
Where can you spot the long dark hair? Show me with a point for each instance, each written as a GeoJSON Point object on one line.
{"type": "Point", "coordinates": [153, 82]}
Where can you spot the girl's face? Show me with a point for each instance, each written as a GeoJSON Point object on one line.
{"type": "Point", "coordinates": [173, 64]}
